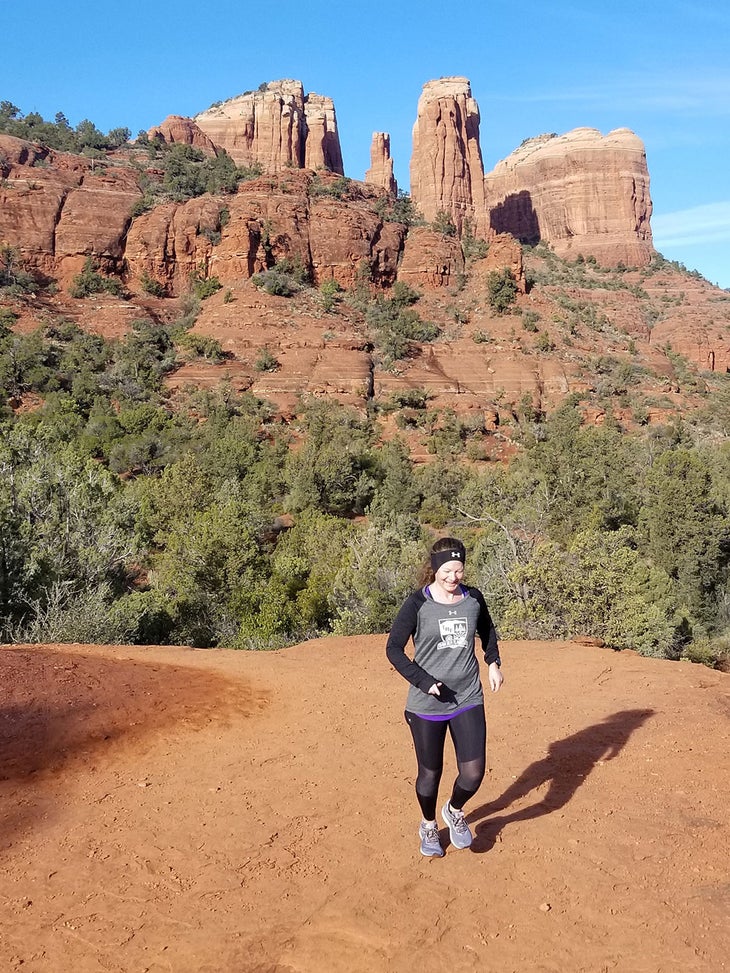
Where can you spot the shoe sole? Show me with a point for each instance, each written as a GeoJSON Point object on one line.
{"type": "Point", "coordinates": [456, 839]}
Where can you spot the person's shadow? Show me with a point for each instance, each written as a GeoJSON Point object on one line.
{"type": "Point", "coordinates": [564, 768]}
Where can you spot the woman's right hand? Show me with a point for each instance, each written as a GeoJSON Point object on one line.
{"type": "Point", "coordinates": [435, 690]}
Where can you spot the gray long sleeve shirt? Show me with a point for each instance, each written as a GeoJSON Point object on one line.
{"type": "Point", "coordinates": [444, 650]}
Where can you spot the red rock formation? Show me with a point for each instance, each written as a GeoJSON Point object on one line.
{"type": "Point", "coordinates": [582, 192]}
{"type": "Point", "coordinates": [504, 252]}
{"type": "Point", "coordinates": [268, 219]}
{"type": "Point", "coordinates": [94, 220]}
{"type": "Point", "coordinates": [276, 127]}
{"type": "Point", "coordinates": [64, 210]}
{"type": "Point", "coordinates": [380, 172]}
{"type": "Point", "coordinates": [322, 147]}
{"type": "Point", "coordinates": [177, 128]}
{"type": "Point", "coordinates": [18, 152]}
{"type": "Point", "coordinates": [170, 243]}
{"type": "Point", "coordinates": [345, 241]}
{"type": "Point", "coordinates": [430, 259]}
{"type": "Point", "coordinates": [446, 167]}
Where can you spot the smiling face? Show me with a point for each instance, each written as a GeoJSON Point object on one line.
{"type": "Point", "coordinates": [449, 576]}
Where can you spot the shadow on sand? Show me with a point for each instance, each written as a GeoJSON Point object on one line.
{"type": "Point", "coordinates": [564, 768]}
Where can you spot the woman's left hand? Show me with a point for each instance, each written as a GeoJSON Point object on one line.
{"type": "Point", "coordinates": [495, 677]}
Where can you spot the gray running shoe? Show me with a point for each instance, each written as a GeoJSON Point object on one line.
{"type": "Point", "coordinates": [461, 836]}
{"type": "Point", "coordinates": [430, 844]}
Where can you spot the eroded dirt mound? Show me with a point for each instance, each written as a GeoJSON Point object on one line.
{"type": "Point", "coordinates": [58, 708]}
{"type": "Point", "coordinates": [196, 811]}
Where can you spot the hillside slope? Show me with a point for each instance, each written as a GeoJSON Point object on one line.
{"type": "Point", "coordinates": [169, 809]}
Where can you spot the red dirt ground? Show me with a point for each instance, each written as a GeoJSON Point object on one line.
{"type": "Point", "coordinates": [187, 811]}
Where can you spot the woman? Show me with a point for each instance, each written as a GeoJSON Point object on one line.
{"type": "Point", "coordinates": [442, 618]}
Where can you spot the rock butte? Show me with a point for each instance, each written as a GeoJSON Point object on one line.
{"type": "Point", "coordinates": [277, 127]}
{"type": "Point", "coordinates": [582, 192]}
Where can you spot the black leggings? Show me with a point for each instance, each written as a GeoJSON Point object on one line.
{"type": "Point", "coordinates": [469, 732]}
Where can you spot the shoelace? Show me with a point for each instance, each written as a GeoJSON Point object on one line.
{"type": "Point", "coordinates": [460, 824]}
{"type": "Point", "coordinates": [431, 834]}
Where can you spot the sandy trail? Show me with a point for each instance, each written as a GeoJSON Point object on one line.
{"type": "Point", "coordinates": [168, 809]}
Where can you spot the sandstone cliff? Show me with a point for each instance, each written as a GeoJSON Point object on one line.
{"type": "Point", "coordinates": [177, 128]}
{"type": "Point", "coordinates": [380, 172]}
{"type": "Point", "coordinates": [58, 208]}
{"type": "Point", "coordinates": [582, 192]}
{"type": "Point", "coordinates": [267, 220]}
{"type": "Point", "coordinates": [277, 127]}
{"type": "Point", "coordinates": [446, 166]}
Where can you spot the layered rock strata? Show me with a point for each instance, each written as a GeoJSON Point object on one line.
{"type": "Point", "coordinates": [447, 173]}
{"type": "Point", "coordinates": [276, 127]}
{"type": "Point", "coordinates": [380, 172]}
{"type": "Point", "coordinates": [177, 128]}
{"type": "Point", "coordinates": [430, 259]}
{"type": "Point", "coordinates": [582, 192]}
{"type": "Point", "coordinates": [58, 208]}
{"type": "Point", "coordinates": [265, 221]}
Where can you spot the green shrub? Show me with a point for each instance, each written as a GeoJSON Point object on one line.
{"type": "Point", "coordinates": [473, 247]}
{"type": "Point", "coordinates": [151, 286]}
{"type": "Point", "coordinates": [277, 282]}
{"type": "Point", "coordinates": [90, 281]}
{"type": "Point", "coordinates": [202, 345]}
{"type": "Point", "coordinates": [330, 291]}
{"type": "Point", "coordinates": [398, 210]}
{"type": "Point", "coordinates": [204, 287]}
{"type": "Point", "coordinates": [443, 224]}
{"type": "Point", "coordinates": [544, 342]}
{"type": "Point", "coordinates": [501, 290]}
{"type": "Point", "coordinates": [266, 361]}
{"type": "Point", "coordinates": [13, 278]}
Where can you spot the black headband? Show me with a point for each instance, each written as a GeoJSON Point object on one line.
{"type": "Point", "coordinates": [450, 554]}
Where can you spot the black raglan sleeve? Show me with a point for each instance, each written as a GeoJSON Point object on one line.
{"type": "Point", "coordinates": [485, 628]}
{"type": "Point", "coordinates": [403, 628]}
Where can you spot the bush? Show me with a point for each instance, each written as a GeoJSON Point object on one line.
{"type": "Point", "coordinates": [442, 223]}
{"type": "Point", "coordinates": [398, 210]}
{"type": "Point", "coordinates": [90, 281]}
{"type": "Point", "coordinates": [397, 326]}
{"type": "Point", "coordinates": [502, 290]}
{"type": "Point", "coordinates": [13, 278]}
{"type": "Point", "coordinates": [266, 361]}
{"type": "Point", "coordinates": [151, 286]}
{"type": "Point", "coordinates": [202, 345]}
{"type": "Point", "coordinates": [204, 287]}
{"type": "Point", "coordinates": [544, 342]}
{"type": "Point", "coordinates": [277, 282]}
{"type": "Point", "coordinates": [473, 248]}
{"type": "Point", "coordinates": [330, 291]}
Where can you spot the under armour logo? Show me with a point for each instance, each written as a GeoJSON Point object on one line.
{"type": "Point", "coordinates": [452, 613]}
{"type": "Point", "coordinates": [456, 556]}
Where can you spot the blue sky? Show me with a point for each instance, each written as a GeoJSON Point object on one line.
{"type": "Point", "coordinates": [661, 69]}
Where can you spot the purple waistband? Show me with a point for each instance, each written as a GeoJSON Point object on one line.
{"type": "Point", "coordinates": [440, 717]}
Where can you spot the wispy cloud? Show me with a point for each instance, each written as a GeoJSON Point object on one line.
{"type": "Point", "coordinates": [673, 93]}
{"type": "Point", "coordinates": [709, 223]}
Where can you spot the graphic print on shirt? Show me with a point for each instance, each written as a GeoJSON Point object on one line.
{"type": "Point", "coordinates": [453, 632]}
